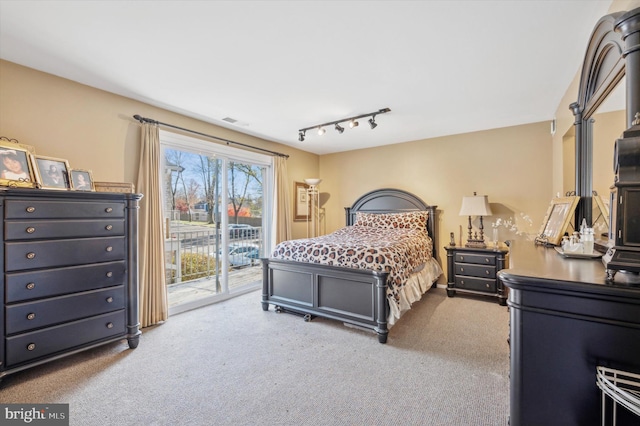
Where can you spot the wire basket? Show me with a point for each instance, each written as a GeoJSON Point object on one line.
{"type": "Point", "coordinates": [622, 387]}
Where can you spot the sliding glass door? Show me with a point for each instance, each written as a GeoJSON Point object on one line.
{"type": "Point", "coordinates": [216, 220]}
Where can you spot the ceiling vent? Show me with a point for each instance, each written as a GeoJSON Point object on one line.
{"type": "Point", "coordinates": [230, 120]}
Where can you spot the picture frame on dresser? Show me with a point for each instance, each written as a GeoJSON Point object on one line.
{"type": "Point", "coordinates": [81, 180]}
{"type": "Point", "coordinates": [16, 166]}
{"type": "Point", "coordinates": [557, 219]}
{"type": "Point", "coordinates": [52, 173]}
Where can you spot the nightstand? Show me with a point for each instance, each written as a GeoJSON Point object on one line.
{"type": "Point", "coordinates": [474, 271]}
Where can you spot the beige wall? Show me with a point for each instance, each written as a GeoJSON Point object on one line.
{"type": "Point", "coordinates": [511, 165]}
{"type": "Point", "coordinates": [95, 130]}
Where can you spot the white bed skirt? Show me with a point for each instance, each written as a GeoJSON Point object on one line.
{"type": "Point", "coordinates": [417, 285]}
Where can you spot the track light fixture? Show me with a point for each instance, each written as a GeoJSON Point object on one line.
{"type": "Point", "coordinates": [351, 120]}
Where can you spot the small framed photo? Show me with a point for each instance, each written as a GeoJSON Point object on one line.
{"type": "Point", "coordinates": [81, 180]}
{"type": "Point", "coordinates": [52, 173]}
{"type": "Point", "coordinates": [16, 166]}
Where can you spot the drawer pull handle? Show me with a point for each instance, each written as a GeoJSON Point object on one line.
{"type": "Point", "coordinates": [461, 269]}
{"type": "Point", "coordinates": [31, 316]}
{"type": "Point", "coordinates": [461, 257]}
{"type": "Point", "coordinates": [109, 248]}
{"type": "Point", "coordinates": [31, 230]}
{"type": "Point", "coordinates": [487, 272]}
{"type": "Point", "coordinates": [486, 259]}
{"type": "Point", "coordinates": [108, 227]}
{"type": "Point", "coordinates": [109, 299]}
{"type": "Point", "coordinates": [109, 274]}
{"type": "Point", "coordinates": [108, 210]}
{"type": "Point", "coordinates": [31, 286]}
{"type": "Point", "coordinates": [487, 285]}
{"type": "Point", "coordinates": [31, 209]}
{"type": "Point", "coordinates": [461, 282]}
{"type": "Point", "coordinates": [31, 346]}
{"type": "Point", "coordinates": [109, 325]}
{"type": "Point", "coordinates": [31, 255]}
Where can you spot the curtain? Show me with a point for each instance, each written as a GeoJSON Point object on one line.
{"type": "Point", "coordinates": [152, 288]}
{"type": "Point", "coordinates": [282, 220]}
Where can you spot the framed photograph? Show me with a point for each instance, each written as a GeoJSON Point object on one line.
{"type": "Point", "coordinates": [301, 201]}
{"type": "Point", "coordinates": [52, 173]}
{"type": "Point", "coordinates": [16, 166]}
{"type": "Point", "coordinates": [557, 219]}
{"type": "Point", "coordinates": [81, 180]}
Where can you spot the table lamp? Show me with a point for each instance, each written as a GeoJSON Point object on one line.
{"type": "Point", "coordinates": [477, 205]}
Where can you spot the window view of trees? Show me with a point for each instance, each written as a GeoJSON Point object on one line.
{"type": "Point", "coordinates": [194, 185]}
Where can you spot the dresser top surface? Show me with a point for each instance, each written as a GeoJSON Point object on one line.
{"type": "Point", "coordinates": [539, 266]}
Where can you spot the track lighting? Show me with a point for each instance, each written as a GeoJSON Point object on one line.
{"type": "Point", "coordinates": [351, 120]}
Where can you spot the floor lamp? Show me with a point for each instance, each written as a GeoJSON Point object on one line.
{"type": "Point", "coordinates": [313, 223]}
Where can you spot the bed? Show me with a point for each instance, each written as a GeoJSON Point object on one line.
{"type": "Point", "coordinates": [370, 298]}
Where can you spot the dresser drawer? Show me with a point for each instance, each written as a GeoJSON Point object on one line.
{"type": "Point", "coordinates": [475, 270]}
{"type": "Point", "coordinates": [38, 209]}
{"type": "Point", "coordinates": [32, 230]}
{"type": "Point", "coordinates": [20, 286]}
{"type": "Point", "coordinates": [45, 312]}
{"type": "Point", "coordinates": [479, 259]}
{"type": "Point", "coordinates": [48, 341]}
{"type": "Point", "coordinates": [46, 254]}
{"type": "Point", "coordinates": [476, 284]}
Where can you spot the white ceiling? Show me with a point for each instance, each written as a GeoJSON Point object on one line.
{"type": "Point", "coordinates": [443, 67]}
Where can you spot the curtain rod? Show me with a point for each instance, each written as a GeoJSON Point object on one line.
{"type": "Point", "coordinates": [227, 141]}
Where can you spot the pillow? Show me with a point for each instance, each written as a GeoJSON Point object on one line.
{"type": "Point", "coordinates": [410, 220]}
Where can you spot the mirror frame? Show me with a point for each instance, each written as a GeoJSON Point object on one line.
{"type": "Point", "coordinates": [613, 52]}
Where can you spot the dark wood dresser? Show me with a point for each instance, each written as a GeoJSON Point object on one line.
{"type": "Point", "coordinates": [566, 321]}
{"type": "Point", "coordinates": [69, 267]}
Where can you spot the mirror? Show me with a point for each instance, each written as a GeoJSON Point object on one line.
{"type": "Point", "coordinates": [608, 123]}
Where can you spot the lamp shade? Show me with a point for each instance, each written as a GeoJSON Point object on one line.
{"type": "Point", "coordinates": [312, 181]}
{"type": "Point", "coordinates": [477, 205]}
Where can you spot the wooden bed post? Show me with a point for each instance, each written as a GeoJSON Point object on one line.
{"type": "Point", "coordinates": [382, 308]}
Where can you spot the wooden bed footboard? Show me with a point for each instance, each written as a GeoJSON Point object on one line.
{"type": "Point", "coordinates": [353, 296]}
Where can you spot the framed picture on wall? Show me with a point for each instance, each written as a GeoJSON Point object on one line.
{"type": "Point", "coordinates": [52, 173]}
{"type": "Point", "coordinates": [16, 166]}
{"type": "Point", "coordinates": [557, 220]}
{"type": "Point", "coordinates": [301, 198]}
{"type": "Point", "coordinates": [81, 180]}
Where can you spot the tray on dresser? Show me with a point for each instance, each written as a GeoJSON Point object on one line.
{"type": "Point", "coordinates": [568, 254]}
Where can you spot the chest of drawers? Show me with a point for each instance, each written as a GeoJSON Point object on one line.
{"type": "Point", "coordinates": [69, 272]}
{"type": "Point", "coordinates": [474, 271]}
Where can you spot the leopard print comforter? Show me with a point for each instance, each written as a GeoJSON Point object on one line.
{"type": "Point", "coordinates": [398, 251]}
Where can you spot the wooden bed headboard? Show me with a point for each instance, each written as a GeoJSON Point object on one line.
{"type": "Point", "coordinates": [393, 201]}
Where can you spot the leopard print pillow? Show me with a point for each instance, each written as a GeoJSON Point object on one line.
{"type": "Point", "coordinates": [409, 220]}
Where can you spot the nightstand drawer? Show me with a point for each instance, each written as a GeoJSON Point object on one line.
{"type": "Point", "coordinates": [476, 270]}
{"type": "Point", "coordinates": [477, 284]}
{"type": "Point", "coordinates": [479, 259]}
